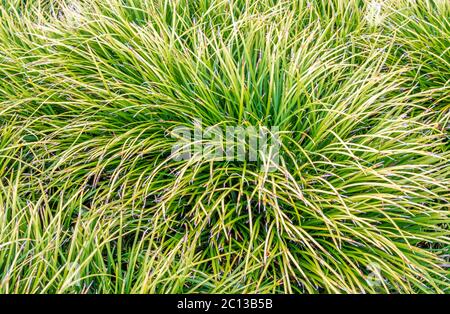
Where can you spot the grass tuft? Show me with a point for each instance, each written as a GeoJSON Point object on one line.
{"type": "Point", "coordinates": [91, 200]}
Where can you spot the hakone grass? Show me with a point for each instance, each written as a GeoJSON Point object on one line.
{"type": "Point", "coordinates": [91, 200]}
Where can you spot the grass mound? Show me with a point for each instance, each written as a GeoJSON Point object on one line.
{"type": "Point", "coordinates": [92, 199]}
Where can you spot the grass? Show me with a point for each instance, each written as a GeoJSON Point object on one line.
{"type": "Point", "coordinates": [92, 202]}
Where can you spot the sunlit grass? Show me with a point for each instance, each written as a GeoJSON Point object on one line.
{"type": "Point", "coordinates": [92, 202]}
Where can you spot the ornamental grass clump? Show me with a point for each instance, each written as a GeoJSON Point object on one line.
{"type": "Point", "coordinates": [351, 194]}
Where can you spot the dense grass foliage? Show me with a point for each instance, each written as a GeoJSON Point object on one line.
{"type": "Point", "coordinates": [91, 200]}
